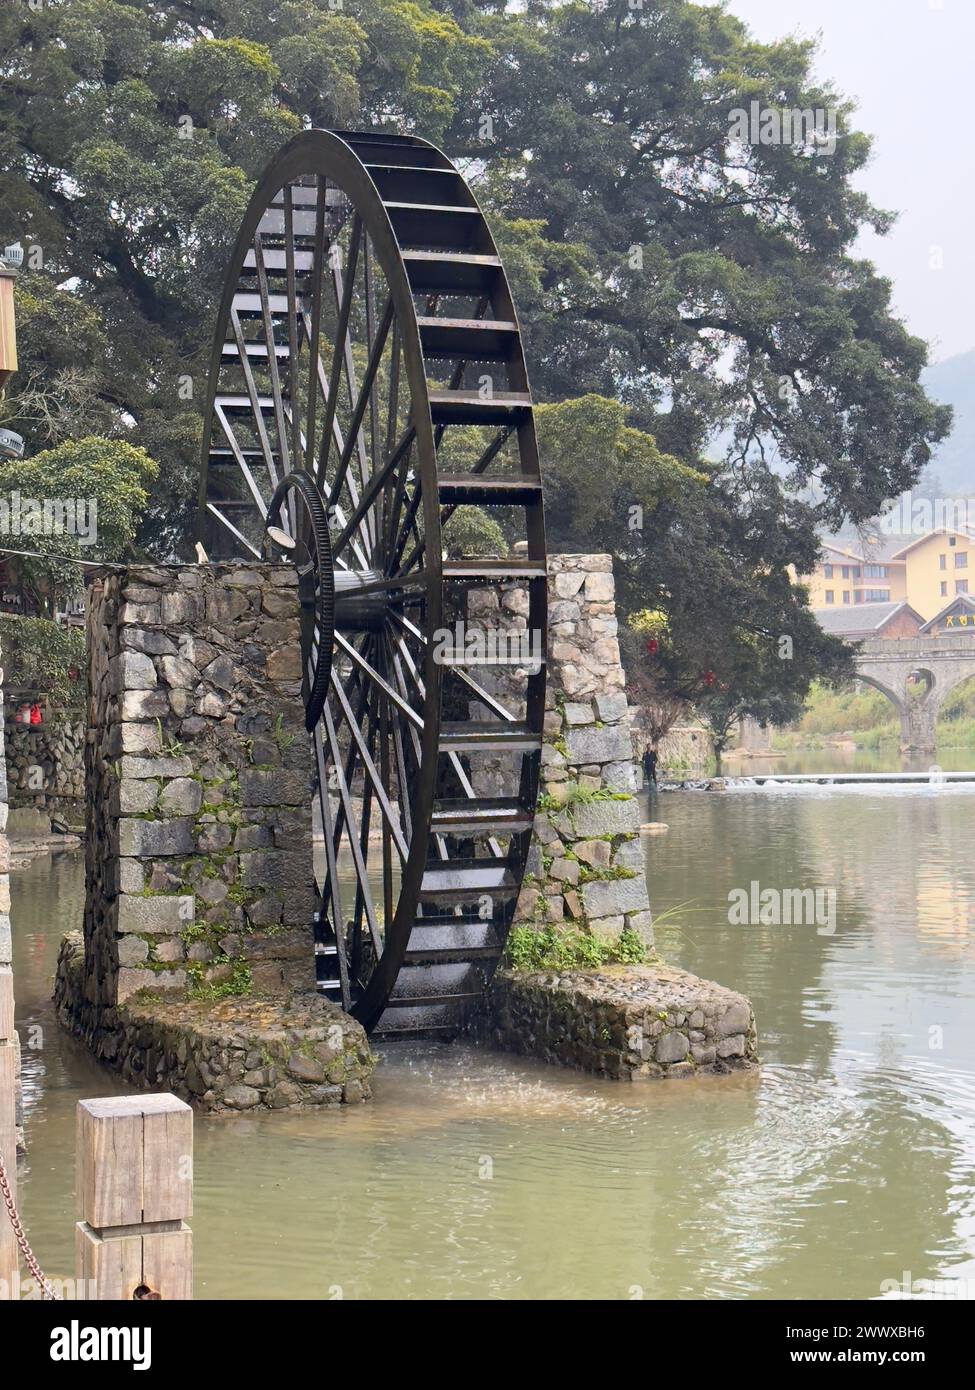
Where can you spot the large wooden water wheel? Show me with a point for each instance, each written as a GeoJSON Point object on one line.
{"type": "Point", "coordinates": [367, 380]}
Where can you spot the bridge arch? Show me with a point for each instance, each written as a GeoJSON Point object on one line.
{"type": "Point", "coordinates": [888, 665]}
{"type": "Point", "coordinates": [886, 690]}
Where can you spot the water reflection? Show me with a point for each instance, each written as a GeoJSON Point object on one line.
{"type": "Point", "coordinates": [847, 1160]}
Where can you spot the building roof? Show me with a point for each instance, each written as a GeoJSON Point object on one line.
{"type": "Point", "coordinates": [872, 550]}
{"type": "Point", "coordinates": [879, 549]}
{"type": "Point", "coordinates": [938, 531]}
{"type": "Point", "coordinates": [961, 603]}
{"type": "Point", "coordinates": [860, 619]}
{"type": "Point", "coordinates": [840, 548]}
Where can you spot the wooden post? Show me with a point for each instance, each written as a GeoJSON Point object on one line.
{"type": "Point", "coordinates": [134, 1190]}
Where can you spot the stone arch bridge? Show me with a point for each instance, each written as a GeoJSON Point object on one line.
{"type": "Point", "coordinates": [916, 674]}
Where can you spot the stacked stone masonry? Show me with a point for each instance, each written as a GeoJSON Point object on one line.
{"type": "Point", "coordinates": [199, 859]}
{"type": "Point", "coordinates": [46, 762]}
{"type": "Point", "coordinates": [622, 1022]}
{"type": "Point", "coordinates": [586, 864]}
{"type": "Point", "coordinates": [225, 1054]}
{"type": "Point", "coordinates": [196, 969]}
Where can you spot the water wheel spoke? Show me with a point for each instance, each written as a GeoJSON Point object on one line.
{"type": "Point", "coordinates": [254, 397]}
{"type": "Point", "coordinates": [353, 437]}
{"type": "Point", "coordinates": [372, 491]}
{"type": "Point", "coordinates": [357, 857]}
{"type": "Point", "coordinates": [238, 453]}
{"type": "Point", "coordinates": [238, 535]}
{"type": "Point", "coordinates": [339, 349]}
{"type": "Point", "coordinates": [372, 772]}
{"type": "Point", "coordinates": [331, 889]}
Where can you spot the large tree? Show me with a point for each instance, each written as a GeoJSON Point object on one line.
{"type": "Point", "coordinates": [711, 615]}
{"type": "Point", "coordinates": [707, 283]}
{"type": "Point", "coordinates": [130, 138]}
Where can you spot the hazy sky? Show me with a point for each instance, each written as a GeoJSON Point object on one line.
{"type": "Point", "coordinates": [910, 67]}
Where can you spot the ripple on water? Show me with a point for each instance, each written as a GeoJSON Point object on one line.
{"type": "Point", "coordinates": [847, 1159]}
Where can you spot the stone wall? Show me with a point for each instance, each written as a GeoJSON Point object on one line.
{"type": "Point", "coordinates": [622, 1022]}
{"type": "Point", "coordinates": [195, 972]}
{"type": "Point", "coordinates": [239, 1053]}
{"type": "Point", "coordinates": [198, 855]}
{"type": "Point", "coordinates": [587, 862]}
{"type": "Point", "coordinates": [46, 763]}
{"type": "Point", "coordinates": [587, 870]}
{"type": "Point", "coordinates": [11, 1119]}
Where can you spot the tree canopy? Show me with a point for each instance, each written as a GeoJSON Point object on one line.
{"type": "Point", "coordinates": [81, 501]}
{"type": "Point", "coordinates": [659, 262]}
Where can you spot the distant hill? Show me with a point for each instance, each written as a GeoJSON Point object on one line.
{"type": "Point", "coordinates": [952, 470]}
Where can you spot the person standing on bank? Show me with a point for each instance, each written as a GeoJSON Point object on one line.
{"type": "Point", "coordinates": [650, 766]}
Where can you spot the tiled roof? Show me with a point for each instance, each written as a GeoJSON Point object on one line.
{"type": "Point", "coordinates": [962, 603]}
{"type": "Point", "coordinates": [858, 619]}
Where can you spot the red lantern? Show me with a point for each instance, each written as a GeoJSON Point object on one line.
{"type": "Point", "coordinates": [653, 646]}
{"type": "Point", "coordinates": [709, 678]}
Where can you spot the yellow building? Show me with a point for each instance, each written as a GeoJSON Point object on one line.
{"type": "Point", "coordinates": [862, 574]}
{"type": "Point", "coordinates": [939, 566]}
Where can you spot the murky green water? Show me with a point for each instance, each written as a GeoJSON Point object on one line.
{"type": "Point", "coordinates": [849, 1159]}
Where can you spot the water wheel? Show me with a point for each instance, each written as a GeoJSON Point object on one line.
{"type": "Point", "coordinates": [367, 380]}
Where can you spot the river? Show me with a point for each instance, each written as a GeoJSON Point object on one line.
{"type": "Point", "coordinates": [847, 1160]}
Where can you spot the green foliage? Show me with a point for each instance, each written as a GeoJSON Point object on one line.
{"type": "Point", "coordinates": [283, 740]}
{"type": "Point", "coordinates": [711, 288]}
{"type": "Point", "coordinates": [836, 711]}
{"type": "Point", "coordinates": [576, 795]}
{"type": "Point", "coordinates": [37, 654]}
{"type": "Point", "coordinates": [131, 136]}
{"type": "Point", "coordinates": [709, 284]}
{"type": "Point", "coordinates": [472, 531]}
{"type": "Point", "coordinates": [870, 718]}
{"type": "Point", "coordinates": [95, 487]}
{"type": "Point", "coordinates": [587, 439]}
{"type": "Point", "coordinates": [559, 947]}
{"type": "Point", "coordinates": [959, 706]}
{"type": "Point", "coordinates": [237, 984]}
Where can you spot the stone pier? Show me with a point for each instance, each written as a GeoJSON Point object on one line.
{"type": "Point", "coordinates": [626, 1021]}
{"type": "Point", "coordinates": [196, 969]}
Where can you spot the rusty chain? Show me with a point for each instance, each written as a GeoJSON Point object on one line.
{"type": "Point", "coordinates": [29, 1259]}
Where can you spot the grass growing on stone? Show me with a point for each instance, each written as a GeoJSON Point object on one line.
{"type": "Point", "coordinates": [557, 947]}
{"type": "Point", "coordinates": [283, 740]}
{"type": "Point", "coordinates": [238, 983]}
{"type": "Point", "coordinates": [596, 874]}
{"type": "Point", "coordinates": [575, 795]}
